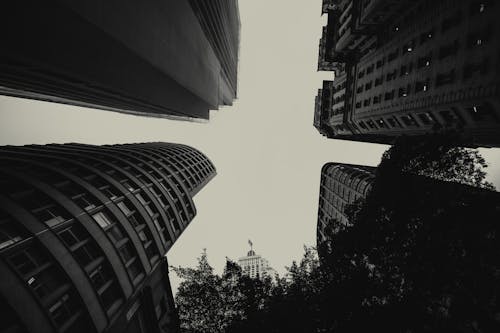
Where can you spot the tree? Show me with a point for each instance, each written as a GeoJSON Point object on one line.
{"type": "Point", "coordinates": [211, 303]}
{"type": "Point", "coordinates": [420, 255]}
{"type": "Point", "coordinates": [438, 156]}
{"type": "Point", "coordinates": [422, 251]}
{"type": "Point", "coordinates": [199, 299]}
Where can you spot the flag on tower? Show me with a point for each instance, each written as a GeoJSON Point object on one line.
{"type": "Point", "coordinates": [250, 243]}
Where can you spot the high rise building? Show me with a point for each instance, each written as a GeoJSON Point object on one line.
{"type": "Point", "coordinates": [162, 58]}
{"type": "Point", "coordinates": [84, 231]}
{"type": "Point", "coordinates": [410, 68]}
{"type": "Point", "coordinates": [340, 185]}
{"type": "Point", "coordinates": [255, 266]}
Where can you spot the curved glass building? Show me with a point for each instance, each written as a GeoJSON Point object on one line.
{"type": "Point", "coordinates": [84, 231]}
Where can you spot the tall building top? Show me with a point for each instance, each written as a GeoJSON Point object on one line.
{"type": "Point", "coordinates": [85, 229]}
{"type": "Point", "coordinates": [412, 68]}
{"type": "Point", "coordinates": [255, 266]}
{"type": "Point", "coordinates": [341, 184]}
{"type": "Point", "coordinates": [223, 33]}
{"type": "Point", "coordinates": [160, 58]}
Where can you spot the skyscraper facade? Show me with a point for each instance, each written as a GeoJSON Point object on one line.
{"type": "Point", "coordinates": [162, 58]}
{"type": "Point", "coordinates": [255, 266]}
{"type": "Point", "coordinates": [84, 231]}
{"type": "Point", "coordinates": [411, 68]}
{"type": "Point", "coordinates": [340, 185]}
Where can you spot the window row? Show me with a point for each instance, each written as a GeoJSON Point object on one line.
{"type": "Point", "coordinates": [450, 117]}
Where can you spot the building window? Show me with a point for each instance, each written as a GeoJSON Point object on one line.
{"type": "Point", "coordinates": [479, 7]}
{"type": "Point", "coordinates": [51, 216]}
{"type": "Point", "coordinates": [379, 80]}
{"type": "Point", "coordinates": [109, 193]}
{"type": "Point", "coordinates": [427, 118]}
{"type": "Point", "coordinates": [124, 208]}
{"type": "Point", "coordinates": [102, 219]}
{"type": "Point", "coordinates": [397, 121]}
{"type": "Point", "coordinates": [127, 184]}
{"type": "Point", "coordinates": [404, 91]}
{"type": "Point", "coordinates": [380, 63]}
{"type": "Point", "coordinates": [408, 47]}
{"type": "Point", "coordinates": [146, 204]}
{"type": "Point", "coordinates": [381, 123]}
{"type": "Point", "coordinates": [422, 86]}
{"type": "Point", "coordinates": [371, 124]}
{"type": "Point", "coordinates": [408, 120]}
{"type": "Point", "coordinates": [79, 196]}
{"type": "Point", "coordinates": [391, 122]}
{"type": "Point", "coordinates": [42, 207]}
{"type": "Point", "coordinates": [391, 75]}
{"type": "Point", "coordinates": [482, 112]}
{"type": "Point", "coordinates": [426, 36]}
{"type": "Point", "coordinates": [10, 231]}
{"type": "Point", "coordinates": [424, 61]}
{"type": "Point", "coordinates": [406, 69]}
{"type": "Point", "coordinates": [451, 117]}
{"type": "Point", "coordinates": [85, 202]}
{"type": "Point", "coordinates": [103, 281]}
{"type": "Point", "coordinates": [479, 38]}
{"type": "Point", "coordinates": [63, 309]}
{"type": "Point", "coordinates": [389, 95]}
{"type": "Point", "coordinates": [368, 86]}
{"type": "Point", "coordinates": [49, 284]}
{"type": "Point", "coordinates": [147, 243]}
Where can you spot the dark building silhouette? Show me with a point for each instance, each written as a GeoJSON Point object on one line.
{"type": "Point", "coordinates": [341, 184]}
{"type": "Point", "coordinates": [163, 58]}
{"type": "Point", "coordinates": [410, 68]}
{"type": "Point", "coordinates": [84, 231]}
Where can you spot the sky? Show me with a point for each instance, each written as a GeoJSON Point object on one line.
{"type": "Point", "coordinates": [267, 153]}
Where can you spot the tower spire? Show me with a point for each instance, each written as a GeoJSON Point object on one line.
{"type": "Point", "coordinates": [251, 252]}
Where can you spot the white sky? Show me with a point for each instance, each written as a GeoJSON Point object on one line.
{"type": "Point", "coordinates": [267, 153]}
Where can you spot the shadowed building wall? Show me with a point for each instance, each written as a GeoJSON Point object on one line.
{"type": "Point", "coordinates": [155, 58]}
{"type": "Point", "coordinates": [84, 232]}
{"type": "Point", "coordinates": [411, 68]}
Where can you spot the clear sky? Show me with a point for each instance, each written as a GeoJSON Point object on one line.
{"type": "Point", "coordinates": [267, 153]}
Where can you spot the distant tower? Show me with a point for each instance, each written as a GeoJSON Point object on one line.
{"type": "Point", "coordinates": [84, 231]}
{"type": "Point", "coordinates": [255, 265]}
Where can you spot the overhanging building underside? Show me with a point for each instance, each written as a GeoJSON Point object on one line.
{"type": "Point", "coordinates": [151, 58]}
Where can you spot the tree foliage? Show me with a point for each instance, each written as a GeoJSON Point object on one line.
{"type": "Point", "coordinates": [209, 303]}
{"type": "Point", "coordinates": [438, 156]}
{"type": "Point", "coordinates": [421, 254]}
